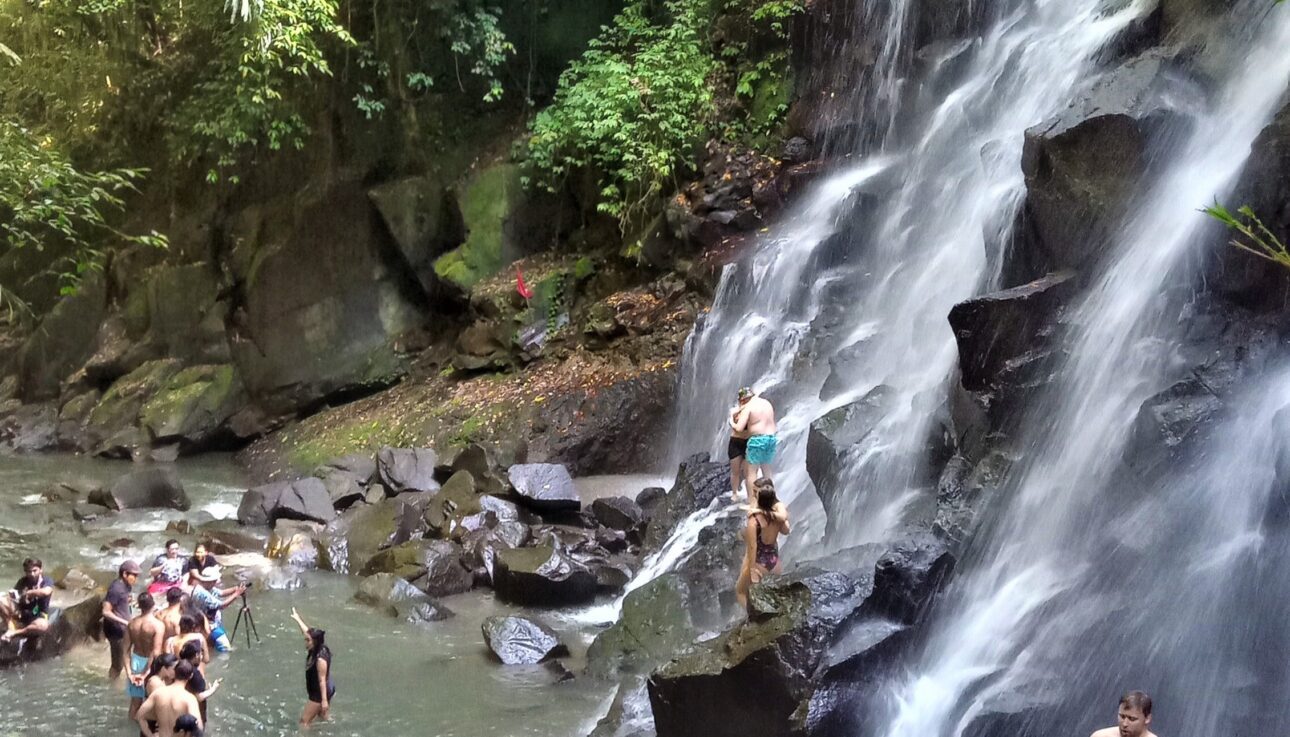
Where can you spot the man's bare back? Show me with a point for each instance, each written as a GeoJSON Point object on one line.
{"type": "Point", "coordinates": [761, 417]}
{"type": "Point", "coordinates": [165, 705]}
{"type": "Point", "coordinates": [170, 620]}
{"type": "Point", "coordinates": [147, 633]}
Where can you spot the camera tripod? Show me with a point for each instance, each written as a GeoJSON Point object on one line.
{"type": "Point", "coordinates": [246, 612]}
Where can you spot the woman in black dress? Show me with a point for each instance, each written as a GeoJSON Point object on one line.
{"type": "Point", "coordinates": [318, 683]}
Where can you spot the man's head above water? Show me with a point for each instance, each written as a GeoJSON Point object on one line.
{"type": "Point", "coordinates": [1135, 714]}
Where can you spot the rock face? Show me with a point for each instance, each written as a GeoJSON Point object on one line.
{"type": "Point", "coordinates": [654, 626]}
{"type": "Point", "coordinates": [699, 482]}
{"type": "Point", "coordinates": [521, 641]}
{"type": "Point", "coordinates": [617, 513]}
{"type": "Point", "coordinates": [542, 576]}
{"type": "Point", "coordinates": [1083, 166]}
{"type": "Point", "coordinates": [545, 487]}
{"type": "Point", "coordinates": [151, 487]}
{"type": "Point", "coordinates": [306, 499]}
{"type": "Point", "coordinates": [837, 436]}
{"type": "Point", "coordinates": [995, 331]}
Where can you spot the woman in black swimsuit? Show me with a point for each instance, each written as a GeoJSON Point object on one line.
{"type": "Point", "coordinates": [761, 539]}
{"type": "Point", "coordinates": [318, 683]}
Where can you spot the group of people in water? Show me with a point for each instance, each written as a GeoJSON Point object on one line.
{"type": "Point", "coordinates": [164, 650]}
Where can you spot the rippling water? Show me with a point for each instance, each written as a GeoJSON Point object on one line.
{"type": "Point", "coordinates": [392, 679]}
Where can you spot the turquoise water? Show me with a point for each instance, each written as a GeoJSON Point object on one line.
{"type": "Point", "coordinates": [393, 679]}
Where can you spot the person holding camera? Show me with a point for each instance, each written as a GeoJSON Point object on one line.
{"type": "Point", "coordinates": [212, 601]}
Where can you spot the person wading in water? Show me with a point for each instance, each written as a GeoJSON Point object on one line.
{"type": "Point", "coordinates": [319, 686]}
{"type": "Point", "coordinates": [738, 447]}
{"type": "Point", "coordinates": [1134, 717]}
{"type": "Point", "coordinates": [756, 418]}
{"type": "Point", "coordinates": [143, 640]}
{"type": "Point", "coordinates": [766, 523]}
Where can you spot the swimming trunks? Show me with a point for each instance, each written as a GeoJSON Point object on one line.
{"type": "Point", "coordinates": [767, 555]}
{"type": "Point", "coordinates": [737, 448]}
{"type": "Point", "coordinates": [761, 449]}
{"type": "Point", "coordinates": [138, 664]}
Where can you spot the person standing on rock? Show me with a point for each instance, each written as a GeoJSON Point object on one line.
{"type": "Point", "coordinates": [756, 418]}
{"type": "Point", "coordinates": [766, 523]}
{"type": "Point", "coordinates": [738, 446]}
{"type": "Point", "coordinates": [143, 639]}
{"type": "Point", "coordinates": [1134, 717]}
{"type": "Point", "coordinates": [31, 606]}
{"type": "Point", "coordinates": [319, 687]}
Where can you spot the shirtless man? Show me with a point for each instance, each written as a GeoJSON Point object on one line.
{"type": "Point", "coordinates": [738, 446]}
{"type": "Point", "coordinates": [174, 610]}
{"type": "Point", "coordinates": [757, 418]}
{"type": "Point", "coordinates": [143, 640]}
{"type": "Point", "coordinates": [167, 704]}
{"type": "Point", "coordinates": [1134, 717]}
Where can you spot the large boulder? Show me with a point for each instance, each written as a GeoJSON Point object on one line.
{"type": "Point", "coordinates": [422, 216]}
{"type": "Point", "coordinates": [775, 655]}
{"type": "Point", "coordinates": [617, 513]}
{"type": "Point", "coordinates": [295, 543]}
{"type": "Point", "coordinates": [699, 482]}
{"type": "Point", "coordinates": [544, 575]}
{"type": "Point", "coordinates": [322, 305]}
{"type": "Point", "coordinates": [839, 436]}
{"type": "Point", "coordinates": [407, 469]}
{"type": "Point", "coordinates": [304, 499]}
{"type": "Point", "coordinates": [76, 619]}
{"type": "Point", "coordinates": [147, 488]}
{"type": "Point", "coordinates": [1084, 166]}
{"type": "Point", "coordinates": [194, 406]}
{"type": "Point", "coordinates": [350, 540]}
{"type": "Point", "coordinates": [62, 342]}
{"type": "Point", "coordinates": [395, 597]}
{"type": "Point", "coordinates": [908, 576]}
{"type": "Point", "coordinates": [519, 640]}
{"type": "Point", "coordinates": [445, 573]}
{"type": "Point", "coordinates": [545, 487]}
{"type": "Point", "coordinates": [653, 628]}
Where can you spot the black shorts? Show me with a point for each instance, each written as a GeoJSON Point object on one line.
{"type": "Point", "coordinates": [737, 448]}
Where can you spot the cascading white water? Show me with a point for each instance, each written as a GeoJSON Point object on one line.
{"type": "Point", "coordinates": [878, 255]}
{"type": "Point", "coordinates": [1084, 588]}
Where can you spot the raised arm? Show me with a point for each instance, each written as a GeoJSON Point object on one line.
{"type": "Point", "coordinates": [295, 616]}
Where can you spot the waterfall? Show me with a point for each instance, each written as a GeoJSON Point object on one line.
{"type": "Point", "coordinates": [1081, 587]}
{"type": "Point", "coordinates": [870, 263]}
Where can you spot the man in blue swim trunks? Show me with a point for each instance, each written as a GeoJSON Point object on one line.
{"type": "Point", "coordinates": [143, 639]}
{"type": "Point", "coordinates": [757, 418]}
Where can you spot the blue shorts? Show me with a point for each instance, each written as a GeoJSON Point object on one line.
{"type": "Point", "coordinates": [761, 449]}
{"type": "Point", "coordinates": [138, 664]}
{"type": "Point", "coordinates": [220, 640]}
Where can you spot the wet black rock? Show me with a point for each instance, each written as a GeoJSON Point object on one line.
{"type": "Point", "coordinates": [908, 576]}
{"type": "Point", "coordinates": [76, 620]}
{"type": "Point", "coordinates": [445, 572]}
{"type": "Point", "coordinates": [407, 469]}
{"type": "Point", "coordinates": [389, 594]}
{"type": "Point", "coordinates": [699, 482]}
{"type": "Point", "coordinates": [148, 488]}
{"type": "Point", "coordinates": [837, 436]}
{"type": "Point", "coordinates": [994, 331]}
{"type": "Point", "coordinates": [617, 513]}
{"type": "Point", "coordinates": [653, 628]}
{"type": "Point", "coordinates": [519, 640]}
{"type": "Point", "coordinates": [480, 547]}
{"type": "Point", "coordinates": [304, 499]}
{"type": "Point", "coordinates": [545, 487]}
{"type": "Point", "coordinates": [544, 575]}
{"type": "Point", "coordinates": [775, 655]}
{"type": "Point", "coordinates": [963, 489]}
{"type": "Point", "coordinates": [1084, 165]}
{"type": "Point", "coordinates": [650, 498]}
{"type": "Point", "coordinates": [347, 478]}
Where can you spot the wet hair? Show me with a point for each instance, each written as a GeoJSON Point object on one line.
{"type": "Point", "coordinates": [766, 499]}
{"type": "Point", "coordinates": [188, 724]}
{"type": "Point", "coordinates": [190, 650]}
{"type": "Point", "coordinates": [145, 602]}
{"type": "Point", "coordinates": [174, 596]}
{"type": "Point", "coordinates": [162, 662]}
{"type": "Point", "coordinates": [31, 563]}
{"type": "Point", "coordinates": [171, 541]}
{"type": "Point", "coordinates": [1137, 700]}
{"type": "Point", "coordinates": [317, 645]}
{"type": "Point", "coordinates": [188, 623]}
{"type": "Point", "coordinates": [183, 671]}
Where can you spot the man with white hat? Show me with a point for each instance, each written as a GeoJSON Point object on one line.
{"type": "Point", "coordinates": [212, 601]}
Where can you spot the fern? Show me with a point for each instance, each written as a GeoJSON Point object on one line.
{"type": "Point", "coordinates": [1258, 240]}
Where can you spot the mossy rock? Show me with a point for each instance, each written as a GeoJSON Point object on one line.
{"type": "Point", "coordinates": [113, 425]}
{"type": "Point", "coordinates": [485, 204]}
{"type": "Point", "coordinates": [194, 404]}
{"type": "Point", "coordinates": [654, 627]}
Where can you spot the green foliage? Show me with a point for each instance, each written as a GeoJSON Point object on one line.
{"type": "Point", "coordinates": [45, 199]}
{"type": "Point", "coordinates": [1254, 237]}
{"type": "Point", "coordinates": [638, 103]}
{"type": "Point", "coordinates": [253, 84]}
{"type": "Point", "coordinates": [476, 36]}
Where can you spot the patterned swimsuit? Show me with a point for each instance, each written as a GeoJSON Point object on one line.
{"type": "Point", "coordinates": [767, 553]}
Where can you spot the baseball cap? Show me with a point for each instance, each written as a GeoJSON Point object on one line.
{"type": "Point", "coordinates": [745, 393]}
{"type": "Point", "coordinates": [128, 566]}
